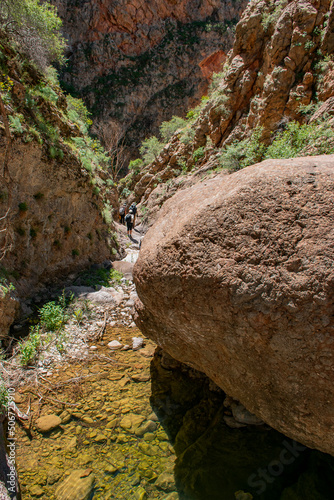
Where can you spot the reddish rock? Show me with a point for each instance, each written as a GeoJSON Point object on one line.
{"type": "Point", "coordinates": [136, 63]}
{"type": "Point", "coordinates": [236, 279]}
{"type": "Point", "coordinates": [213, 63]}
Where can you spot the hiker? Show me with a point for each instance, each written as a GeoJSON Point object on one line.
{"type": "Point", "coordinates": [134, 211]}
{"type": "Point", "coordinates": [122, 213]}
{"type": "Point", "coordinates": [129, 218]}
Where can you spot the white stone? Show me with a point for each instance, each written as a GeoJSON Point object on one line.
{"type": "Point", "coordinates": [137, 343]}
{"type": "Point", "coordinates": [114, 344]}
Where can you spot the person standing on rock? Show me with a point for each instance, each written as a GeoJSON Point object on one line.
{"type": "Point", "coordinates": [122, 213]}
{"type": "Point", "coordinates": [129, 218]}
{"type": "Point", "coordinates": [134, 211]}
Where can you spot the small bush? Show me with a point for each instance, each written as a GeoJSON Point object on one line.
{"type": "Point", "coordinates": [198, 154]}
{"type": "Point", "coordinates": [188, 135]}
{"type": "Point", "coordinates": [102, 277]}
{"type": "Point", "coordinates": [28, 348]}
{"type": "Point", "coordinates": [23, 207]}
{"type": "Point", "coordinates": [150, 149]}
{"type": "Point", "coordinates": [292, 142]}
{"type": "Point", "coordinates": [242, 154]}
{"type": "Point", "coordinates": [168, 128]}
{"type": "Point", "coordinates": [75, 252]}
{"type": "Point", "coordinates": [52, 316]}
{"type": "Point", "coordinates": [136, 165]}
{"type": "Point", "coordinates": [38, 196]}
{"type": "Point", "coordinates": [15, 123]}
{"type": "Point", "coordinates": [3, 395]}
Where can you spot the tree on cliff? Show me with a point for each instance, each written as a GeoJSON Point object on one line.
{"type": "Point", "coordinates": [35, 27]}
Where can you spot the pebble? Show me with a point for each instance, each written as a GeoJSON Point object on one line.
{"type": "Point", "coordinates": [137, 343]}
{"type": "Point", "coordinates": [47, 423]}
{"type": "Point", "coordinates": [114, 345]}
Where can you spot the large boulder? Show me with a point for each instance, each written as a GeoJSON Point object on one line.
{"type": "Point", "coordinates": [236, 279]}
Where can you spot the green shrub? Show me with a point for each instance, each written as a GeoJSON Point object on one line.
{"type": "Point", "coordinates": [33, 232]}
{"type": "Point", "coordinates": [38, 196]}
{"type": "Point", "coordinates": [188, 135]}
{"type": "Point", "coordinates": [3, 395]}
{"type": "Point", "coordinates": [75, 252]}
{"type": "Point", "coordinates": [126, 192]}
{"type": "Point", "coordinates": [23, 207]}
{"type": "Point", "coordinates": [35, 27]}
{"type": "Point", "coordinates": [52, 316]}
{"type": "Point", "coordinates": [46, 92]}
{"type": "Point", "coordinates": [198, 154]}
{"type": "Point", "coordinates": [136, 165]}
{"type": "Point", "coordinates": [15, 123]}
{"type": "Point", "coordinates": [28, 348]}
{"type": "Point", "coordinates": [318, 137]}
{"type": "Point", "coordinates": [5, 285]}
{"type": "Point", "coordinates": [78, 113]}
{"type": "Point", "coordinates": [194, 113]}
{"type": "Point", "coordinates": [150, 149]}
{"type": "Point", "coordinates": [168, 128]}
{"type": "Point", "coordinates": [107, 213]}
{"type": "Point", "coordinates": [102, 277]}
{"type": "Point", "coordinates": [242, 154]}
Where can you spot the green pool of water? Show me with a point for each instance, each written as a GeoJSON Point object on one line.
{"type": "Point", "coordinates": [133, 429]}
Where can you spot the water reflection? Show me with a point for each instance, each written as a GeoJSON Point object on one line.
{"type": "Point", "coordinates": [214, 461]}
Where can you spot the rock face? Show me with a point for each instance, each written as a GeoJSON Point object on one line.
{"type": "Point", "coordinates": [53, 208]}
{"type": "Point", "coordinates": [278, 64]}
{"type": "Point", "coordinates": [235, 279]}
{"type": "Point", "coordinates": [8, 308]}
{"type": "Point", "coordinates": [55, 230]}
{"type": "Point", "coordinates": [136, 63]}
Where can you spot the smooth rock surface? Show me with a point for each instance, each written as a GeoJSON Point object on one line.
{"type": "Point", "coordinates": [239, 285]}
{"type": "Point", "coordinates": [47, 423]}
{"type": "Point", "coordinates": [77, 486]}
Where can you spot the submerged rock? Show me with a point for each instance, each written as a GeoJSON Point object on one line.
{"type": "Point", "coordinates": [236, 280]}
{"type": "Point", "coordinates": [78, 486]}
{"type": "Point", "coordinates": [47, 423]}
{"type": "Point", "coordinates": [114, 345]}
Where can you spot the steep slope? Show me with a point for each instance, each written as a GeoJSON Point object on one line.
{"type": "Point", "coordinates": [279, 71]}
{"type": "Point", "coordinates": [136, 63]}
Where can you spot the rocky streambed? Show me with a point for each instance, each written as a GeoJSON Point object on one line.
{"type": "Point", "coordinates": [136, 424]}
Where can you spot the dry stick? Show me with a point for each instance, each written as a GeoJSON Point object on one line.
{"type": "Point", "coordinates": [101, 332]}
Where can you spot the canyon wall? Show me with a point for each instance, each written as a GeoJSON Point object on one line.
{"type": "Point", "coordinates": [279, 69]}
{"type": "Point", "coordinates": [138, 63]}
{"type": "Point", "coordinates": [55, 193]}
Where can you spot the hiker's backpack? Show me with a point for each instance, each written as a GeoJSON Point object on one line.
{"type": "Point", "coordinates": [128, 218]}
{"type": "Point", "coordinates": [122, 211]}
{"type": "Point", "coordinates": [134, 209]}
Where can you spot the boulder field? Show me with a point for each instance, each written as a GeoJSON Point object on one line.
{"type": "Point", "coordinates": [236, 279]}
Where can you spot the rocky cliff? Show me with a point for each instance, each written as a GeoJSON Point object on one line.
{"type": "Point", "coordinates": [137, 63]}
{"type": "Point", "coordinates": [280, 71]}
{"type": "Point", "coordinates": [239, 285]}
{"type": "Point", "coordinates": [55, 211]}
